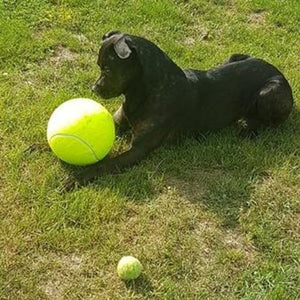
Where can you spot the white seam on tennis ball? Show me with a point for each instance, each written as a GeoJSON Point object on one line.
{"type": "Point", "coordinates": [78, 138]}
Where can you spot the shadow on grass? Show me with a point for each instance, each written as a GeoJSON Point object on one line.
{"type": "Point", "coordinates": [217, 172]}
{"type": "Point", "coordinates": [222, 191]}
{"type": "Point", "coordinates": [141, 285]}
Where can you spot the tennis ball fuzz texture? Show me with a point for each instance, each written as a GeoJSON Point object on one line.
{"type": "Point", "coordinates": [129, 268]}
{"type": "Point", "coordinates": [80, 131]}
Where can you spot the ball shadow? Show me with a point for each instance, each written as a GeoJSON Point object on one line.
{"type": "Point", "coordinates": [142, 285]}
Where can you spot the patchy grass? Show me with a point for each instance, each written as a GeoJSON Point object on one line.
{"type": "Point", "coordinates": [216, 219]}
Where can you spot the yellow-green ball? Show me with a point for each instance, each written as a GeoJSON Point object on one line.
{"type": "Point", "coordinates": [81, 131]}
{"type": "Point", "coordinates": [129, 268]}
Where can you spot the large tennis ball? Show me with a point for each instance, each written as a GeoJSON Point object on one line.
{"type": "Point", "coordinates": [129, 268]}
{"type": "Point", "coordinates": [81, 131]}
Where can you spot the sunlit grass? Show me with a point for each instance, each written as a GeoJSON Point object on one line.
{"type": "Point", "coordinates": [216, 219]}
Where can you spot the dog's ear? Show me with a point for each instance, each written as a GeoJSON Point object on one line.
{"type": "Point", "coordinates": [122, 48]}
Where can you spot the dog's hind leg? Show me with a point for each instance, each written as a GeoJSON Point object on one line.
{"type": "Point", "coordinates": [274, 101]}
{"type": "Point", "coordinates": [271, 105]}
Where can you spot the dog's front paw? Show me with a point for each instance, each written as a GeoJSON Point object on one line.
{"type": "Point", "coordinates": [80, 179]}
{"type": "Point", "coordinates": [68, 184]}
{"type": "Point", "coordinates": [72, 182]}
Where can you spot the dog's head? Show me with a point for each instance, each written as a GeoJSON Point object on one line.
{"type": "Point", "coordinates": [118, 63]}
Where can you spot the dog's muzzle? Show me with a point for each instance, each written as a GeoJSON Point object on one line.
{"type": "Point", "coordinates": [100, 89]}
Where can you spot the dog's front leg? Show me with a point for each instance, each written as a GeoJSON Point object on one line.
{"type": "Point", "coordinates": [114, 165]}
{"type": "Point", "coordinates": [121, 121]}
{"type": "Point", "coordinates": [106, 166]}
{"type": "Point", "coordinates": [139, 150]}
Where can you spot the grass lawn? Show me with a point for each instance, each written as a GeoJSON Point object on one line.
{"type": "Point", "coordinates": [216, 219]}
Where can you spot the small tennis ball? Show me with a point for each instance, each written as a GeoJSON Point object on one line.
{"type": "Point", "coordinates": [80, 131]}
{"type": "Point", "coordinates": [129, 268]}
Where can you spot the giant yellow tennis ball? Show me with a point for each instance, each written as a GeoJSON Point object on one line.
{"type": "Point", "coordinates": [80, 131]}
{"type": "Point", "coordinates": [129, 268]}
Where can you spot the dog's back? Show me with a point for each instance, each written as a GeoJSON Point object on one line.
{"type": "Point", "coordinates": [225, 94]}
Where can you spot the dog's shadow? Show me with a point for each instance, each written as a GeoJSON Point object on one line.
{"type": "Point", "coordinates": [217, 172]}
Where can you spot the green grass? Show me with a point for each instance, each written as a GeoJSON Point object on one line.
{"type": "Point", "coordinates": [212, 220]}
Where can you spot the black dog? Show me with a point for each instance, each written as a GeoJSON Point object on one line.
{"type": "Point", "coordinates": [163, 101]}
